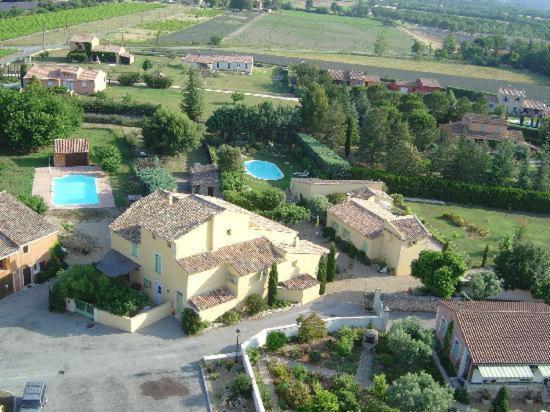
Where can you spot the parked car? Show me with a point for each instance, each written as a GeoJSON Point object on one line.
{"type": "Point", "coordinates": [34, 397]}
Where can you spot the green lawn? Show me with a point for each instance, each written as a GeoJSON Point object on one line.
{"type": "Point", "coordinates": [498, 222]}
{"type": "Point", "coordinates": [297, 30]}
{"type": "Point", "coordinates": [6, 52]}
{"type": "Point", "coordinates": [287, 164]}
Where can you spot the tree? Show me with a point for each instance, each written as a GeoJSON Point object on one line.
{"type": "Point", "coordinates": [314, 107]}
{"type": "Point", "coordinates": [449, 43]}
{"type": "Point", "coordinates": [192, 102]}
{"type": "Point", "coordinates": [168, 132]}
{"type": "Point", "coordinates": [381, 43]}
{"type": "Point", "coordinates": [322, 274]}
{"type": "Point", "coordinates": [485, 255]}
{"type": "Point", "coordinates": [108, 157]}
{"type": "Point", "coordinates": [418, 49]}
{"type": "Point", "coordinates": [500, 403]}
{"type": "Point", "coordinates": [418, 392]}
{"type": "Point", "coordinates": [241, 4]}
{"type": "Point", "coordinates": [229, 159]}
{"type": "Point", "coordinates": [403, 159]}
{"type": "Point", "coordinates": [272, 285]}
{"type": "Point", "coordinates": [438, 104]}
{"type": "Point", "coordinates": [311, 328]}
{"type": "Point", "coordinates": [439, 272]}
{"type": "Point", "coordinates": [524, 176]}
{"type": "Point", "coordinates": [484, 284]}
{"type": "Point", "coordinates": [352, 133]}
{"type": "Point", "coordinates": [423, 127]}
{"type": "Point", "coordinates": [542, 179]}
{"type": "Point", "coordinates": [237, 97]}
{"type": "Point", "coordinates": [146, 65]}
{"type": "Point", "coordinates": [331, 263]}
{"type": "Point", "coordinates": [461, 107]}
{"type": "Point", "coordinates": [503, 162]}
{"type": "Point", "coordinates": [215, 40]}
{"type": "Point", "coordinates": [128, 79]}
{"type": "Point", "coordinates": [406, 349]}
{"type": "Point", "coordinates": [409, 102]}
{"type": "Point", "coordinates": [334, 126]}
{"type": "Point", "coordinates": [33, 118]}
{"type": "Point", "coordinates": [379, 387]}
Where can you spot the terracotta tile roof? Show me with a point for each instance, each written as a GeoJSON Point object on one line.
{"type": "Point", "coordinates": [428, 82]}
{"type": "Point", "coordinates": [210, 299]}
{"type": "Point", "coordinates": [368, 192]}
{"type": "Point", "coordinates": [20, 225]}
{"type": "Point", "coordinates": [201, 174]}
{"type": "Point", "coordinates": [7, 247]}
{"type": "Point", "coordinates": [56, 73]}
{"type": "Point", "coordinates": [303, 247]}
{"type": "Point", "coordinates": [67, 146]}
{"type": "Point", "coordinates": [487, 119]}
{"type": "Point", "coordinates": [111, 48]}
{"type": "Point", "coordinates": [504, 332]}
{"type": "Point", "coordinates": [245, 257]}
{"type": "Point", "coordinates": [82, 38]}
{"type": "Point", "coordinates": [411, 228]}
{"type": "Point", "coordinates": [350, 75]}
{"type": "Point", "coordinates": [512, 92]}
{"type": "Point", "coordinates": [213, 58]}
{"type": "Point", "coordinates": [459, 129]}
{"type": "Point", "coordinates": [534, 105]}
{"type": "Point", "coordinates": [300, 282]}
{"type": "Point", "coordinates": [359, 218]}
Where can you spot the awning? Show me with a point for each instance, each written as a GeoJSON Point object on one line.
{"type": "Point", "coordinates": [114, 264]}
{"type": "Point", "coordinates": [506, 372]}
{"type": "Point", "coordinates": [544, 371]}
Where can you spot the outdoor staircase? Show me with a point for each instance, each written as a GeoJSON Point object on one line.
{"type": "Point", "coordinates": [546, 395]}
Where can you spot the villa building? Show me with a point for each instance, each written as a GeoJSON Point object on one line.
{"type": "Point", "coordinates": [352, 77]}
{"type": "Point", "coordinates": [26, 239]}
{"type": "Point", "coordinates": [96, 52]}
{"type": "Point", "coordinates": [516, 103]}
{"type": "Point", "coordinates": [74, 79]}
{"type": "Point", "coordinates": [420, 86]}
{"type": "Point", "coordinates": [366, 220]}
{"type": "Point", "coordinates": [309, 187]}
{"type": "Point", "coordinates": [498, 343]}
{"type": "Point", "coordinates": [233, 62]}
{"type": "Point", "coordinates": [207, 254]}
{"type": "Point", "coordinates": [204, 179]}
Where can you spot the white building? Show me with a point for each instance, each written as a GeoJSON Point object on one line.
{"type": "Point", "coordinates": [233, 62]}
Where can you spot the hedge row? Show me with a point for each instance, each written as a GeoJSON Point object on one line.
{"type": "Point", "coordinates": [326, 159]}
{"type": "Point", "coordinates": [531, 134]}
{"type": "Point", "coordinates": [499, 197]}
{"type": "Point", "coordinates": [469, 93]}
{"type": "Point", "coordinates": [113, 119]}
{"type": "Point", "coordinates": [101, 106]}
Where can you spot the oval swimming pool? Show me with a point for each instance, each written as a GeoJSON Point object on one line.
{"type": "Point", "coordinates": [73, 190]}
{"type": "Point", "coordinates": [261, 169]}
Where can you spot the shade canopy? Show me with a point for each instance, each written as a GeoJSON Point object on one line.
{"type": "Point", "coordinates": [506, 372]}
{"type": "Point", "coordinates": [114, 264]}
{"type": "Point", "coordinates": [545, 370]}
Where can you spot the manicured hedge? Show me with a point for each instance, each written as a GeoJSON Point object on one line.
{"type": "Point", "coordinates": [327, 160]}
{"type": "Point", "coordinates": [101, 106]}
{"type": "Point", "coordinates": [499, 197]}
{"type": "Point", "coordinates": [469, 93]}
{"type": "Point", "coordinates": [531, 134]}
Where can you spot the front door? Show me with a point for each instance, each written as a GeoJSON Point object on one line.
{"type": "Point", "coordinates": [6, 285]}
{"type": "Point", "coordinates": [179, 303]}
{"type": "Point", "coordinates": [158, 293]}
{"type": "Point", "coordinates": [27, 276]}
{"type": "Point", "coordinates": [210, 191]}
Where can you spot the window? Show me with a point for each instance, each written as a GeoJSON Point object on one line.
{"type": "Point", "coordinates": [442, 326]}
{"type": "Point", "coordinates": [169, 245]}
{"type": "Point", "coordinates": [364, 246]}
{"type": "Point", "coordinates": [84, 84]}
{"type": "Point", "coordinates": [26, 249]}
{"type": "Point", "coordinates": [50, 83]}
{"type": "Point", "coordinates": [228, 232]}
{"type": "Point", "coordinates": [134, 250]}
{"type": "Point", "coordinates": [517, 99]}
{"type": "Point", "coordinates": [146, 283]}
{"type": "Point", "coordinates": [345, 234]}
{"type": "Point", "coordinates": [3, 264]}
{"type": "Point", "coordinates": [335, 226]}
{"type": "Point", "coordinates": [456, 349]}
{"type": "Point", "coordinates": [157, 261]}
{"type": "Point", "coordinates": [239, 65]}
{"type": "Point", "coordinates": [231, 278]}
{"type": "Point", "coordinates": [505, 98]}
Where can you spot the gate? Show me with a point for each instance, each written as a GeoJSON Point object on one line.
{"type": "Point", "coordinates": [84, 308]}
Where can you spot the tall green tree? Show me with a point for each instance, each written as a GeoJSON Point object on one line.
{"type": "Point", "coordinates": [331, 263]}
{"type": "Point", "coordinates": [500, 403]}
{"type": "Point", "coordinates": [504, 163]}
{"type": "Point", "coordinates": [314, 107]}
{"type": "Point", "coordinates": [334, 128]}
{"type": "Point", "coordinates": [403, 158]}
{"type": "Point", "coordinates": [272, 285]}
{"type": "Point", "coordinates": [439, 104]}
{"type": "Point", "coordinates": [449, 43]}
{"type": "Point", "coordinates": [418, 49]}
{"type": "Point", "coordinates": [381, 43]}
{"type": "Point", "coordinates": [192, 102]}
{"type": "Point", "coordinates": [146, 65]}
{"type": "Point", "coordinates": [542, 178]}
{"type": "Point", "coordinates": [439, 272]}
{"type": "Point", "coordinates": [322, 274]}
{"type": "Point", "coordinates": [423, 127]}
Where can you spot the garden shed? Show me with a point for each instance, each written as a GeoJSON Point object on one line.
{"type": "Point", "coordinates": [71, 152]}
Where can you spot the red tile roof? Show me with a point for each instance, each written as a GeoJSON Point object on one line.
{"type": "Point", "coordinates": [359, 218]}
{"type": "Point", "coordinates": [68, 146]}
{"type": "Point", "coordinates": [512, 92]}
{"type": "Point", "coordinates": [210, 299]}
{"type": "Point", "coordinates": [504, 332]}
{"type": "Point", "coordinates": [411, 228]}
{"type": "Point", "coordinates": [428, 82]}
{"type": "Point", "coordinates": [300, 282]}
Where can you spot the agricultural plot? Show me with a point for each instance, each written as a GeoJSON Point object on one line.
{"type": "Point", "coordinates": [24, 25]}
{"type": "Point", "coordinates": [6, 52]}
{"type": "Point", "coordinates": [296, 30]}
{"type": "Point", "coordinates": [220, 26]}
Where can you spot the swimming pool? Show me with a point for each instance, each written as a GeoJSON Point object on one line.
{"type": "Point", "coordinates": [74, 190]}
{"type": "Point", "coordinates": [260, 169]}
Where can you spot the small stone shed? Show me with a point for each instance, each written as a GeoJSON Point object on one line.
{"type": "Point", "coordinates": [71, 152]}
{"type": "Point", "coordinates": [204, 180]}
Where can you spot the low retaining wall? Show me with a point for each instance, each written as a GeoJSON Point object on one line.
{"type": "Point", "coordinates": [134, 323]}
{"type": "Point", "coordinates": [515, 390]}
{"type": "Point", "coordinates": [408, 302]}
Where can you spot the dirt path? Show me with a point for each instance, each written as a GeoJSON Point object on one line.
{"type": "Point", "coordinates": [364, 369]}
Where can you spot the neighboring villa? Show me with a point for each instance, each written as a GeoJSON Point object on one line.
{"type": "Point", "coordinates": [205, 253]}
{"type": "Point", "coordinates": [233, 62]}
{"type": "Point", "coordinates": [74, 79]}
{"type": "Point", "coordinates": [516, 103]}
{"type": "Point", "coordinates": [420, 86]}
{"type": "Point", "coordinates": [352, 77]}
{"type": "Point", "coordinates": [204, 179]}
{"type": "Point", "coordinates": [307, 188]}
{"type": "Point", "coordinates": [26, 239]}
{"type": "Point", "coordinates": [89, 45]}
{"type": "Point", "coordinates": [498, 343]}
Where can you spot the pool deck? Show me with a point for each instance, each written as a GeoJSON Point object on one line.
{"type": "Point", "coordinates": [42, 185]}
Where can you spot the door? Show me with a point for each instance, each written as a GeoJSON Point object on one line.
{"type": "Point", "coordinates": [27, 276]}
{"type": "Point", "coordinates": [210, 191]}
{"type": "Point", "coordinates": [158, 293]}
{"type": "Point", "coordinates": [6, 285]}
{"type": "Point", "coordinates": [179, 304]}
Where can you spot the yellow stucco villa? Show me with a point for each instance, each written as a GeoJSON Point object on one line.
{"type": "Point", "coordinates": [205, 253]}
{"type": "Point", "coordinates": [366, 220]}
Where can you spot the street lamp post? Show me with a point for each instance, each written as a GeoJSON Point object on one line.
{"type": "Point", "coordinates": [238, 332]}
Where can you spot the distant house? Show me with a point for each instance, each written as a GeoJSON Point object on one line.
{"type": "Point", "coordinates": [367, 221]}
{"type": "Point", "coordinates": [516, 103]}
{"type": "Point", "coordinates": [96, 52]}
{"type": "Point", "coordinates": [25, 242]}
{"type": "Point", "coordinates": [232, 62]}
{"type": "Point", "coordinates": [420, 86]}
{"type": "Point", "coordinates": [74, 79]}
{"type": "Point", "coordinates": [492, 344]}
{"type": "Point", "coordinates": [309, 187]}
{"type": "Point", "coordinates": [352, 77]}
{"type": "Point", "coordinates": [204, 179]}
{"type": "Point", "coordinates": [70, 152]}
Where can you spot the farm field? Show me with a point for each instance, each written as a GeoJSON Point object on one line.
{"type": "Point", "coordinates": [6, 52]}
{"type": "Point", "coordinates": [297, 30]}
{"type": "Point", "coordinates": [498, 222]}
{"type": "Point", "coordinates": [24, 25]}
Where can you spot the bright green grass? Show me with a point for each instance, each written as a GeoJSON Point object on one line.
{"type": "Point", "coordinates": [6, 52]}
{"type": "Point", "coordinates": [166, 26]}
{"type": "Point", "coordinates": [296, 30]}
{"type": "Point", "coordinates": [498, 222]}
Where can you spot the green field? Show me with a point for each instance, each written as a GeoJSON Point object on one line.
{"type": "Point", "coordinates": [498, 222]}
{"type": "Point", "coordinates": [6, 52]}
{"type": "Point", "coordinates": [295, 30]}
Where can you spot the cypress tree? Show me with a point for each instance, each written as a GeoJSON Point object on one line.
{"type": "Point", "coordinates": [322, 274]}
{"type": "Point", "coordinates": [331, 263]}
{"type": "Point", "coordinates": [272, 285]}
{"type": "Point", "coordinates": [485, 253]}
{"type": "Point", "coordinates": [500, 403]}
{"type": "Point", "coordinates": [192, 102]}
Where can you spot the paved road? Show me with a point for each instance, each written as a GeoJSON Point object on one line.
{"type": "Point", "coordinates": [101, 369]}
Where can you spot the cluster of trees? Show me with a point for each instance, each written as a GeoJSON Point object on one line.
{"type": "Point", "coordinates": [48, 6]}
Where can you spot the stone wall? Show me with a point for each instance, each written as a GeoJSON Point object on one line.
{"type": "Point", "coordinates": [406, 302]}
{"type": "Point", "coordinates": [515, 391]}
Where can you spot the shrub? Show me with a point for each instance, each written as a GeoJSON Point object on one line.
{"type": "Point", "coordinates": [418, 392]}
{"type": "Point", "coordinates": [280, 371]}
{"type": "Point", "coordinates": [461, 395]}
{"type": "Point", "coordinates": [229, 318]}
{"type": "Point", "coordinates": [455, 219]}
{"type": "Point", "coordinates": [253, 355]}
{"type": "Point", "coordinates": [345, 382]}
{"type": "Point", "coordinates": [406, 349]}
{"type": "Point", "coordinates": [318, 206]}
{"type": "Point", "coordinates": [241, 386]}
{"type": "Point", "coordinates": [329, 232]}
{"type": "Point", "coordinates": [128, 79]}
{"type": "Point", "coordinates": [311, 328]}
{"type": "Point", "coordinates": [108, 157]}
{"type": "Point", "coordinates": [157, 81]}
{"type": "Point", "coordinates": [326, 159]}
{"type": "Point", "coordinates": [191, 322]}
{"type": "Point", "coordinates": [77, 56]}
{"type": "Point", "coordinates": [254, 304]}
{"type": "Point", "coordinates": [288, 213]}
{"type": "Point", "coordinates": [56, 298]}
{"type": "Point", "coordinates": [299, 371]}
{"type": "Point", "coordinates": [439, 272]}
{"type": "Point", "coordinates": [232, 182]}
{"type": "Point", "coordinates": [296, 394]}
{"type": "Point", "coordinates": [121, 300]}
{"type": "Point", "coordinates": [379, 387]}
{"type": "Point", "coordinates": [314, 356]}
{"type": "Point", "coordinates": [501, 402]}
{"type": "Point", "coordinates": [323, 400]}
{"type": "Point", "coordinates": [229, 159]}
{"type": "Point", "coordinates": [275, 340]}
{"type": "Point", "coordinates": [33, 202]}
{"type": "Point", "coordinates": [155, 178]}
{"type": "Point", "coordinates": [215, 40]}
{"type": "Point", "coordinates": [484, 284]}
{"type": "Point", "coordinates": [344, 346]}
{"type": "Point", "coordinates": [110, 107]}
{"type": "Point", "coordinates": [272, 285]}
{"type": "Point", "coordinates": [336, 198]}
{"type": "Point", "coordinates": [386, 360]}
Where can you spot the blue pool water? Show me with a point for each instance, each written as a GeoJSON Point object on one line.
{"type": "Point", "coordinates": [261, 169]}
{"type": "Point", "coordinates": [74, 190]}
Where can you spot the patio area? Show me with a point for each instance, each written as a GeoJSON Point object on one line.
{"type": "Point", "coordinates": [43, 185]}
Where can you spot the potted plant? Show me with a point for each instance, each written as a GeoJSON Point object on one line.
{"type": "Point", "coordinates": [529, 397]}
{"type": "Point", "coordinates": [485, 397]}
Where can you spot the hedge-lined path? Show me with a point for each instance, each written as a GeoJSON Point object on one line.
{"type": "Point", "coordinates": [266, 378]}
{"type": "Point", "coordinates": [365, 368]}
